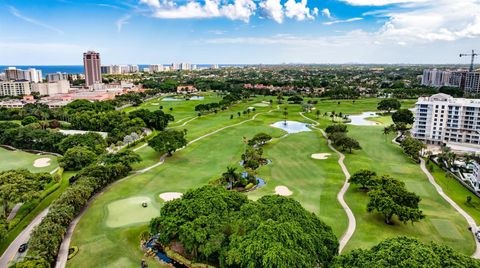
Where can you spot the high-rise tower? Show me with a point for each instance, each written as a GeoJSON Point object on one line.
{"type": "Point", "coordinates": [91, 63]}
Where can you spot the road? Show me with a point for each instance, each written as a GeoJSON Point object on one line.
{"type": "Point", "coordinates": [469, 218]}
{"type": "Point", "coordinates": [12, 251]}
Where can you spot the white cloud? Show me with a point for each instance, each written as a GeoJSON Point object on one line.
{"type": "Point", "coordinates": [273, 9]}
{"type": "Point", "coordinates": [298, 10]}
{"type": "Point", "coordinates": [381, 2]}
{"type": "Point", "coordinates": [152, 3]}
{"type": "Point", "coordinates": [15, 12]}
{"type": "Point", "coordinates": [168, 9]}
{"type": "Point", "coordinates": [231, 9]}
{"type": "Point", "coordinates": [122, 21]}
{"type": "Point", "coordinates": [424, 21]}
{"type": "Point", "coordinates": [326, 13]}
{"type": "Point", "coordinates": [342, 21]}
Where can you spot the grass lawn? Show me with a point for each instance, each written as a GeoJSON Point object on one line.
{"type": "Point", "coordinates": [181, 109]}
{"type": "Point", "coordinates": [314, 183]}
{"type": "Point", "coordinates": [457, 192]}
{"type": "Point", "coordinates": [358, 106]}
{"type": "Point", "coordinates": [107, 239]}
{"type": "Point", "coordinates": [442, 224]}
{"type": "Point", "coordinates": [315, 186]}
{"type": "Point", "coordinates": [20, 159]}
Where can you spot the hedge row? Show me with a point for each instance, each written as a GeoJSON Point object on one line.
{"type": "Point", "coordinates": [47, 237]}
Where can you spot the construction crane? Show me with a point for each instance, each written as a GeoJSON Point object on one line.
{"type": "Point", "coordinates": [473, 55]}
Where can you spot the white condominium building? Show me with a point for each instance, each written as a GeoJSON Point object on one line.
{"type": "Point", "coordinates": [442, 119]}
{"type": "Point", "coordinates": [14, 88]}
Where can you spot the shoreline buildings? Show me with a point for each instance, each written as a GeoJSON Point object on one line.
{"type": "Point", "coordinates": [441, 119]}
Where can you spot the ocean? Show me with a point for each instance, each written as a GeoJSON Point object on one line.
{"type": "Point", "coordinates": [78, 69]}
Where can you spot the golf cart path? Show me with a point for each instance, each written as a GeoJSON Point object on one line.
{"type": "Point", "coordinates": [63, 251]}
{"type": "Point", "coordinates": [12, 250]}
{"type": "Point", "coordinates": [352, 223]}
{"type": "Point", "coordinates": [469, 218]}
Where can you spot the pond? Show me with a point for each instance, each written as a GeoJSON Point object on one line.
{"type": "Point", "coordinates": [291, 126]}
{"type": "Point", "coordinates": [183, 99]}
{"type": "Point", "coordinates": [360, 119]}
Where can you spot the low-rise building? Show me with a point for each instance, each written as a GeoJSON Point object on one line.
{"type": "Point", "coordinates": [58, 87]}
{"type": "Point", "coordinates": [186, 89]}
{"type": "Point", "coordinates": [15, 88]}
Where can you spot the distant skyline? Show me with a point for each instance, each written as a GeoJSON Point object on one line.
{"type": "Point", "coordinates": [57, 32]}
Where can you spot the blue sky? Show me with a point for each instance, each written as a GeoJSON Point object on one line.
{"type": "Point", "coordinates": [50, 32]}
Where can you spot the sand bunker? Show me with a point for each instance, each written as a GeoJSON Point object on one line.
{"type": "Point", "coordinates": [322, 156]}
{"type": "Point", "coordinates": [42, 162]}
{"type": "Point", "coordinates": [170, 196]}
{"type": "Point", "coordinates": [155, 104]}
{"type": "Point", "coordinates": [130, 211]}
{"type": "Point", "coordinates": [261, 104]}
{"type": "Point", "coordinates": [283, 190]}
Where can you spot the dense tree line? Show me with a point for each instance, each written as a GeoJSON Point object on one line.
{"type": "Point", "coordinates": [30, 137]}
{"type": "Point", "coordinates": [47, 237]}
{"type": "Point", "coordinates": [224, 227]}
{"type": "Point", "coordinates": [405, 252]}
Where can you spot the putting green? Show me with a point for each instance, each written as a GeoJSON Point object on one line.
{"type": "Point", "coordinates": [130, 211]}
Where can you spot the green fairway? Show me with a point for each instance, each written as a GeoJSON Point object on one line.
{"type": "Point", "coordinates": [107, 235]}
{"type": "Point", "coordinates": [19, 159]}
{"type": "Point", "coordinates": [315, 184]}
{"type": "Point", "coordinates": [442, 223]}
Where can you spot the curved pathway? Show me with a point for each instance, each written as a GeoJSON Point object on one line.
{"type": "Point", "coordinates": [469, 218]}
{"type": "Point", "coordinates": [62, 256]}
{"type": "Point", "coordinates": [352, 223]}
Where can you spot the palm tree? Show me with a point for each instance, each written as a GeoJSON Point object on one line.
{"type": "Point", "coordinates": [317, 113]}
{"type": "Point", "coordinates": [230, 176]}
{"type": "Point", "coordinates": [285, 113]}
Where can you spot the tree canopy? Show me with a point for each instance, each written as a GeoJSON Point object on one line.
{"type": "Point", "coordinates": [403, 116]}
{"type": "Point", "coordinates": [222, 226]}
{"type": "Point", "coordinates": [77, 158]}
{"type": "Point", "coordinates": [391, 198]}
{"type": "Point", "coordinates": [168, 141]}
{"type": "Point", "coordinates": [365, 178]}
{"type": "Point", "coordinates": [94, 141]}
{"type": "Point", "coordinates": [405, 252]}
{"type": "Point", "coordinates": [388, 105]}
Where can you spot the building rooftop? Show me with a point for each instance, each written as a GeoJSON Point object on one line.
{"type": "Point", "coordinates": [441, 97]}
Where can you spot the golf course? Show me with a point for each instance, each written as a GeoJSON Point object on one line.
{"type": "Point", "coordinates": [302, 167]}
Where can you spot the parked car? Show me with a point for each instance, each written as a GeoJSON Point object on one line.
{"type": "Point", "coordinates": [23, 248]}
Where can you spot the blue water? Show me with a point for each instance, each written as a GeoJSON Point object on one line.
{"type": "Point", "coordinates": [78, 69]}
{"type": "Point", "coordinates": [159, 254]}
